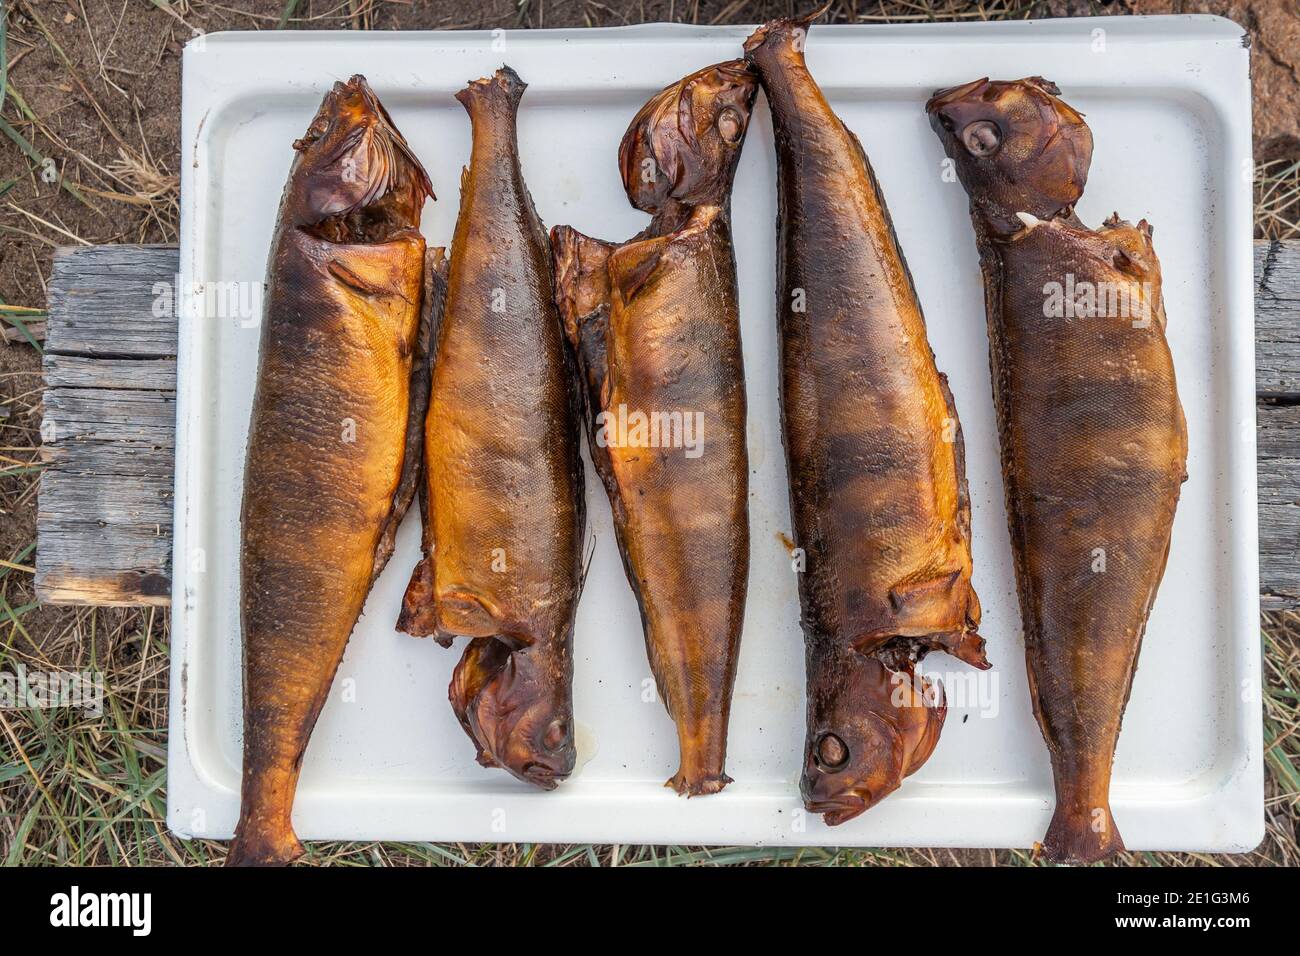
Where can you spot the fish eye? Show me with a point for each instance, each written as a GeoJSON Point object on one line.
{"type": "Point", "coordinates": [831, 752]}
{"type": "Point", "coordinates": [981, 138]}
{"type": "Point", "coordinates": [556, 734]}
{"type": "Point", "coordinates": [730, 125]}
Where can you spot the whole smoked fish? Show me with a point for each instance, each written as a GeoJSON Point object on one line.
{"type": "Point", "coordinates": [503, 493]}
{"type": "Point", "coordinates": [1094, 444]}
{"type": "Point", "coordinates": [874, 453]}
{"type": "Point", "coordinates": [655, 325]}
{"type": "Point", "coordinates": [332, 464]}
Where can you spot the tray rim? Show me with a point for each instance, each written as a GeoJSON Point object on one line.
{"type": "Point", "coordinates": [1240, 796]}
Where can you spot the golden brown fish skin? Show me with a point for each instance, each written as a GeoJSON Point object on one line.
{"type": "Point", "coordinates": [330, 465]}
{"type": "Point", "coordinates": [504, 492]}
{"type": "Point", "coordinates": [1094, 443]}
{"type": "Point", "coordinates": [655, 324]}
{"type": "Point", "coordinates": [874, 452]}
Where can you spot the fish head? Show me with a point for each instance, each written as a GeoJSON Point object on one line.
{"type": "Point", "coordinates": [683, 145]}
{"type": "Point", "coordinates": [869, 726]}
{"type": "Point", "coordinates": [1017, 147]}
{"type": "Point", "coordinates": [354, 169]}
{"type": "Point", "coordinates": [517, 706]}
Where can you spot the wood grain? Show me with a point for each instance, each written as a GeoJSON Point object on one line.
{"type": "Point", "coordinates": [105, 510]}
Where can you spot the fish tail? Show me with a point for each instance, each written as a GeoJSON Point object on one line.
{"type": "Point", "coordinates": [264, 836]}
{"type": "Point", "coordinates": [502, 88]}
{"type": "Point", "coordinates": [1081, 831]}
{"type": "Point", "coordinates": [783, 30]}
{"type": "Point", "coordinates": [703, 749]}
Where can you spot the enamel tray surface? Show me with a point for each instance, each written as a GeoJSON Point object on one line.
{"type": "Point", "coordinates": [1168, 100]}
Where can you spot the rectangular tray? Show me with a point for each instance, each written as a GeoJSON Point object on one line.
{"type": "Point", "coordinates": [1168, 100]}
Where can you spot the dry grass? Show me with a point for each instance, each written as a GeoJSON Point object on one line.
{"type": "Point", "coordinates": [88, 154]}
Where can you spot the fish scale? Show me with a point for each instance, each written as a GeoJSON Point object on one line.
{"type": "Point", "coordinates": [1092, 434]}
{"type": "Point", "coordinates": [874, 454]}
{"type": "Point", "coordinates": [655, 325]}
{"type": "Point", "coordinates": [343, 338]}
{"type": "Point", "coordinates": [504, 513]}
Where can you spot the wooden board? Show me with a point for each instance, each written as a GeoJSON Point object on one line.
{"type": "Point", "coordinates": [104, 512]}
{"type": "Point", "coordinates": [105, 508]}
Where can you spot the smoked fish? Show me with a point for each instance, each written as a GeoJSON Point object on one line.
{"type": "Point", "coordinates": [1093, 439]}
{"type": "Point", "coordinates": [332, 459]}
{"type": "Point", "coordinates": [874, 453]}
{"type": "Point", "coordinates": [503, 496]}
{"type": "Point", "coordinates": [655, 325]}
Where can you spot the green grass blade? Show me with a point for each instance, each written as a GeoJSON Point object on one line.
{"type": "Point", "coordinates": [290, 8]}
{"type": "Point", "coordinates": [4, 56]}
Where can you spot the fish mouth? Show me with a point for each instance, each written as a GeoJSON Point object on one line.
{"type": "Point", "coordinates": [953, 94]}
{"type": "Point", "coordinates": [737, 71]}
{"type": "Point", "coordinates": [357, 178]}
{"type": "Point", "coordinates": [501, 697]}
{"type": "Point", "coordinates": [841, 807]}
{"type": "Point", "coordinates": [541, 775]}
{"type": "Point", "coordinates": [674, 132]}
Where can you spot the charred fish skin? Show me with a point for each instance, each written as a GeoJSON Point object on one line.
{"type": "Point", "coordinates": [504, 491]}
{"type": "Point", "coordinates": [330, 463]}
{"type": "Point", "coordinates": [1092, 434]}
{"type": "Point", "coordinates": [874, 453]}
{"type": "Point", "coordinates": [655, 326]}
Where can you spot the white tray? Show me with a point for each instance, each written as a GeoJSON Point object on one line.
{"type": "Point", "coordinates": [1168, 100]}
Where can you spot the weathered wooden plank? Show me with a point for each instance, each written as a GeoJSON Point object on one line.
{"type": "Point", "coordinates": [1279, 504]}
{"type": "Point", "coordinates": [1277, 320]}
{"type": "Point", "coordinates": [81, 371]}
{"type": "Point", "coordinates": [104, 513]}
{"type": "Point", "coordinates": [103, 300]}
{"type": "Point", "coordinates": [113, 459]}
{"type": "Point", "coordinates": [106, 500]}
{"type": "Point", "coordinates": [108, 414]}
{"type": "Point", "coordinates": [104, 530]}
{"type": "Point", "coordinates": [1277, 383]}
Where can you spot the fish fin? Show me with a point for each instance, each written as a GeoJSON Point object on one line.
{"type": "Point", "coordinates": [263, 841]}
{"type": "Point", "coordinates": [417, 614]}
{"type": "Point", "coordinates": [632, 265]}
{"type": "Point", "coordinates": [783, 28]}
{"type": "Point", "coordinates": [504, 88]}
{"type": "Point", "coordinates": [581, 280]}
{"type": "Point", "coordinates": [418, 387]}
{"type": "Point", "coordinates": [1081, 835]}
{"type": "Point", "coordinates": [938, 613]}
{"type": "Point", "coordinates": [687, 785]}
